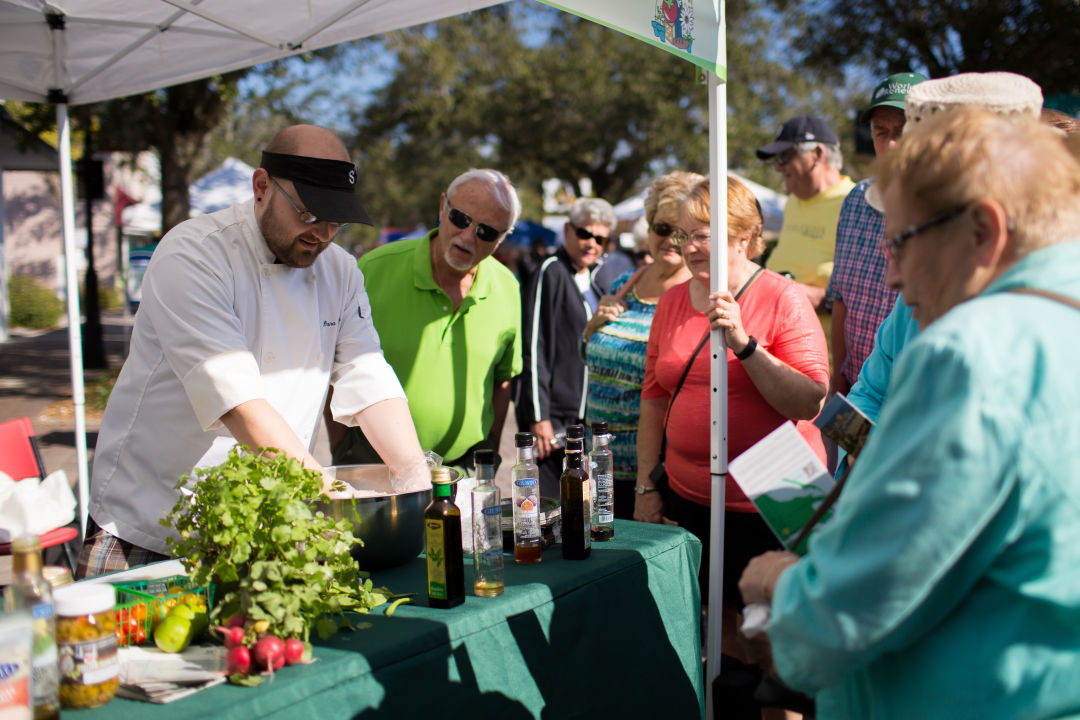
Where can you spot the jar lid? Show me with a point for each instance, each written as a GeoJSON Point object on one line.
{"type": "Point", "coordinates": [56, 575]}
{"type": "Point", "coordinates": [84, 599]}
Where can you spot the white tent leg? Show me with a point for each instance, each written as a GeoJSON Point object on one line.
{"type": "Point", "coordinates": [718, 425]}
{"type": "Point", "coordinates": [78, 393]}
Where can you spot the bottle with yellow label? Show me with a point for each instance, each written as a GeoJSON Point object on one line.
{"type": "Point", "coordinates": [442, 530]}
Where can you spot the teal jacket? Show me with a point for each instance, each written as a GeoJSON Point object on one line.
{"type": "Point", "coordinates": [947, 582]}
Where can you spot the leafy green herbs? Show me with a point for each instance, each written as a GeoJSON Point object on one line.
{"type": "Point", "coordinates": [251, 527]}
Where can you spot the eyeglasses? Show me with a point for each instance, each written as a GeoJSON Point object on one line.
{"type": "Point", "coordinates": [699, 238]}
{"type": "Point", "coordinates": [785, 157]}
{"type": "Point", "coordinates": [463, 220]}
{"type": "Point", "coordinates": [894, 242]}
{"type": "Point", "coordinates": [306, 216]}
{"type": "Point", "coordinates": [584, 234]}
{"type": "Point", "coordinates": [662, 229]}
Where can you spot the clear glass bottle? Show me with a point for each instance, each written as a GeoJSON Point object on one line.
{"type": "Point", "coordinates": [442, 530]}
{"type": "Point", "coordinates": [487, 528]}
{"type": "Point", "coordinates": [525, 479]}
{"type": "Point", "coordinates": [30, 591]}
{"type": "Point", "coordinates": [601, 474]}
{"type": "Point", "coordinates": [574, 496]}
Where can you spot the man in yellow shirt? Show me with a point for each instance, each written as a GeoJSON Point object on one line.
{"type": "Point", "coordinates": [807, 153]}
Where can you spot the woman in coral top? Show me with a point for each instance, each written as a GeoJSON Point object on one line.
{"type": "Point", "coordinates": [778, 370]}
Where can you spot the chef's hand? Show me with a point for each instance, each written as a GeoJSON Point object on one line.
{"type": "Point", "coordinates": [760, 576]}
{"type": "Point", "coordinates": [610, 307]}
{"type": "Point", "coordinates": [545, 435]}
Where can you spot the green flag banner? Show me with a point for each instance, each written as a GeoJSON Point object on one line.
{"type": "Point", "coordinates": [691, 29]}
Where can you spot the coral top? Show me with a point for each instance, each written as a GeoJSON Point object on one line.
{"type": "Point", "coordinates": [777, 313]}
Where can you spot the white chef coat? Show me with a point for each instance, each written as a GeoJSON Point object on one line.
{"type": "Point", "coordinates": [220, 324]}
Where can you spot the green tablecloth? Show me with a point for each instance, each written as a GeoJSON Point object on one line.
{"type": "Point", "coordinates": [613, 636]}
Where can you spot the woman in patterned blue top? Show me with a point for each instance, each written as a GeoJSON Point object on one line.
{"type": "Point", "coordinates": [615, 338]}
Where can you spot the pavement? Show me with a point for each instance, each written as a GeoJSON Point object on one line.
{"type": "Point", "coordinates": [35, 381]}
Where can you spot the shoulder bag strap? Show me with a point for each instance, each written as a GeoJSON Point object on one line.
{"type": "Point", "coordinates": [686, 371]}
{"type": "Point", "coordinates": [1056, 297]}
{"type": "Point", "coordinates": [630, 281]}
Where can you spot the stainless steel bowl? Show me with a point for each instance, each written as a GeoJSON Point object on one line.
{"type": "Point", "coordinates": [391, 525]}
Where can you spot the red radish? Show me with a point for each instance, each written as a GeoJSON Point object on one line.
{"type": "Point", "coordinates": [232, 636]}
{"type": "Point", "coordinates": [237, 620]}
{"type": "Point", "coordinates": [294, 651]}
{"type": "Point", "coordinates": [238, 660]}
{"type": "Point", "coordinates": [269, 652]}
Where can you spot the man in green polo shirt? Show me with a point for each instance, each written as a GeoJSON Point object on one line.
{"type": "Point", "coordinates": [449, 320]}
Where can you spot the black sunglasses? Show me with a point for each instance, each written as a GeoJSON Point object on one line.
{"type": "Point", "coordinates": [894, 242]}
{"type": "Point", "coordinates": [462, 220]}
{"type": "Point", "coordinates": [584, 234]}
{"type": "Point", "coordinates": [663, 229]}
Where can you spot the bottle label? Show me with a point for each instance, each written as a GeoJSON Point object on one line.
{"type": "Point", "coordinates": [586, 492]}
{"type": "Point", "coordinates": [527, 482]}
{"type": "Point", "coordinates": [45, 675]}
{"type": "Point", "coordinates": [493, 511]}
{"type": "Point", "coordinates": [89, 663]}
{"type": "Point", "coordinates": [436, 559]}
{"type": "Point", "coordinates": [15, 689]}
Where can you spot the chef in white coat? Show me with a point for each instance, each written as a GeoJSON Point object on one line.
{"type": "Point", "coordinates": [248, 314]}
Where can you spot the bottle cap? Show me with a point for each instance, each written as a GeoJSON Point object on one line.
{"type": "Point", "coordinates": [523, 439]}
{"type": "Point", "coordinates": [484, 456]}
{"type": "Point", "coordinates": [84, 599]}
{"type": "Point", "coordinates": [26, 543]}
{"type": "Point", "coordinates": [574, 444]}
{"type": "Point", "coordinates": [441, 483]}
{"type": "Point", "coordinates": [575, 432]}
{"type": "Point", "coordinates": [599, 427]}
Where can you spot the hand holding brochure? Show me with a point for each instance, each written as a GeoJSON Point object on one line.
{"type": "Point", "coordinates": [785, 480]}
{"type": "Point", "coordinates": [844, 424]}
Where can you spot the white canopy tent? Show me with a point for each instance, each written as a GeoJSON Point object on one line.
{"type": "Point", "coordinates": [222, 187]}
{"type": "Point", "coordinates": [82, 51]}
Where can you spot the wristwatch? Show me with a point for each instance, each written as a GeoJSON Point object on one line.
{"type": "Point", "coordinates": [642, 490]}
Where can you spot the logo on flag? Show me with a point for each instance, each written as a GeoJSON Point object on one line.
{"type": "Point", "coordinates": [674, 23]}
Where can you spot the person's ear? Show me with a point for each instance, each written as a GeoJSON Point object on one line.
{"type": "Point", "coordinates": [260, 184]}
{"type": "Point", "coordinates": [991, 231]}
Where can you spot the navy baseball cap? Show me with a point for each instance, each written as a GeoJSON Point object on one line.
{"type": "Point", "coordinates": [804, 128]}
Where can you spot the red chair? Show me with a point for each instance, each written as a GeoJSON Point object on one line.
{"type": "Point", "coordinates": [20, 458]}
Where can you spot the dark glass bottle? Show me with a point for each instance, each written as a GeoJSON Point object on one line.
{"type": "Point", "coordinates": [574, 495]}
{"type": "Point", "coordinates": [445, 559]}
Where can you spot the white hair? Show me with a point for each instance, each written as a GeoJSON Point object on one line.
{"type": "Point", "coordinates": [833, 156]}
{"type": "Point", "coordinates": [586, 211]}
{"type": "Point", "coordinates": [504, 191]}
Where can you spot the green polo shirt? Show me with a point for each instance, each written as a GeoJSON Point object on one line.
{"type": "Point", "coordinates": [447, 361]}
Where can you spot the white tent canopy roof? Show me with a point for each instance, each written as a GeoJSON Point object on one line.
{"type": "Point", "coordinates": [227, 185]}
{"type": "Point", "coordinates": [772, 204]}
{"type": "Point", "coordinates": [81, 51]}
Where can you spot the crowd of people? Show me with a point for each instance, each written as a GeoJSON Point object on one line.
{"type": "Point", "coordinates": [942, 585]}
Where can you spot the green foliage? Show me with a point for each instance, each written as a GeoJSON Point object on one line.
{"type": "Point", "coordinates": [1037, 38]}
{"type": "Point", "coordinates": [252, 528]}
{"type": "Point", "coordinates": [33, 305]}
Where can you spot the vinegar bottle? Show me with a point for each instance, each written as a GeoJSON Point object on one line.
{"type": "Point", "coordinates": [603, 483]}
{"type": "Point", "coordinates": [574, 495]}
{"type": "Point", "coordinates": [525, 478]}
{"type": "Point", "coordinates": [442, 531]}
{"type": "Point", "coordinates": [487, 528]}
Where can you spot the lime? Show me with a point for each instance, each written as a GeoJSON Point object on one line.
{"type": "Point", "coordinates": [173, 634]}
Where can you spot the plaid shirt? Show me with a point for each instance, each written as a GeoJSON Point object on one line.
{"type": "Point", "coordinates": [858, 277]}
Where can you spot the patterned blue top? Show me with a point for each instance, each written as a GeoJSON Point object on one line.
{"type": "Point", "coordinates": [616, 359]}
{"type": "Point", "coordinates": [858, 277]}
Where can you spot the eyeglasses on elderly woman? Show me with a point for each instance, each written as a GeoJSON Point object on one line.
{"type": "Point", "coordinates": [894, 242]}
{"type": "Point", "coordinates": [699, 238]}
{"type": "Point", "coordinates": [584, 234]}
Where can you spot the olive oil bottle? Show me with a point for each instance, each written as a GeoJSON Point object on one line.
{"type": "Point", "coordinates": [442, 530]}
{"type": "Point", "coordinates": [574, 495]}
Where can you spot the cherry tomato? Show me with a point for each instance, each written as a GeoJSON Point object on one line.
{"type": "Point", "coordinates": [138, 611]}
{"type": "Point", "coordinates": [140, 636]}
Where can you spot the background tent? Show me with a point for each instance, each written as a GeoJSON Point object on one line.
{"type": "Point", "coordinates": [226, 185]}
{"type": "Point", "coordinates": [772, 204]}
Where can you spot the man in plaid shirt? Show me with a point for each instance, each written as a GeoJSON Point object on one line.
{"type": "Point", "coordinates": [861, 300]}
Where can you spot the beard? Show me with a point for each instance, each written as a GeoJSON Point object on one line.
{"type": "Point", "coordinates": [289, 249]}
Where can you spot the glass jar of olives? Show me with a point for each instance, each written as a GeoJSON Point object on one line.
{"type": "Point", "coordinates": [86, 641]}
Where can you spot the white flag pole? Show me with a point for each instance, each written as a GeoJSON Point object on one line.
{"type": "Point", "coordinates": [718, 419]}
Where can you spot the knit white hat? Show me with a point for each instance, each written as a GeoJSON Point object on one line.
{"type": "Point", "coordinates": [1003, 93]}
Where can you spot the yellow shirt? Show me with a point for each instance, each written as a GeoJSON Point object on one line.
{"type": "Point", "coordinates": [808, 235]}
